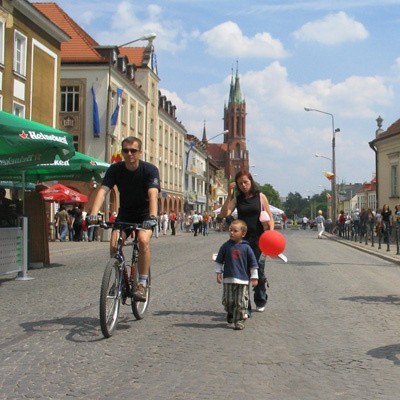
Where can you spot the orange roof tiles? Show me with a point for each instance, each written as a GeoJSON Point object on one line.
{"type": "Point", "coordinates": [135, 54]}
{"type": "Point", "coordinates": [81, 46]}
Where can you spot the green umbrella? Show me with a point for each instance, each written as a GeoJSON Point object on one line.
{"type": "Point", "coordinates": [24, 143]}
{"type": "Point", "coordinates": [80, 167]}
{"type": "Point", "coordinates": [16, 185]}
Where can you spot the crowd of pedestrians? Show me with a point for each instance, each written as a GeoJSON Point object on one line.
{"type": "Point", "coordinates": [71, 224]}
{"type": "Point", "coordinates": [380, 226]}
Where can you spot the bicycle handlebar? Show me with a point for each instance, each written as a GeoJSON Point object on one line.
{"type": "Point", "coordinates": [118, 225]}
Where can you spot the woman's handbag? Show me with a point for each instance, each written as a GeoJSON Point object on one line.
{"type": "Point", "coordinates": [264, 216]}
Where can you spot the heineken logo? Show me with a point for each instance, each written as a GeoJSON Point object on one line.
{"type": "Point", "coordinates": [43, 136]}
{"type": "Point", "coordinates": [9, 161]}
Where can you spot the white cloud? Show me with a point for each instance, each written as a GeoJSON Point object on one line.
{"type": "Point", "coordinates": [129, 21]}
{"type": "Point", "coordinates": [279, 129]}
{"type": "Point", "coordinates": [227, 40]}
{"type": "Point", "coordinates": [333, 29]}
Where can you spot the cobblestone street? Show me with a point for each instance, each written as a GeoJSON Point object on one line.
{"type": "Point", "coordinates": [330, 329]}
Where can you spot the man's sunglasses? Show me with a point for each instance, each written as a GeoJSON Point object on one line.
{"type": "Point", "coordinates": [133, 151]}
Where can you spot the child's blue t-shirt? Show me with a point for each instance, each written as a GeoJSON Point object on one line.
{"type": "Point", "coordinates": [238, 259]}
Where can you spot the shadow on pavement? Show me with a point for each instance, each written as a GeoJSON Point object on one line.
{"type": "Point", "coordinates": [191, 312]}
{"type": "Point", "coordinates": [391, 353]}
{"type": "Point", "coordinates": [389, 299]}
{"type": "Point", "coordinates": [79, 329]}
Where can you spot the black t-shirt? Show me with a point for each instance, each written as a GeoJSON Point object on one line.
{"type": "Point", "coordinates": [133, 187]}
{"type": "Point", "coordinates": [249, 211]}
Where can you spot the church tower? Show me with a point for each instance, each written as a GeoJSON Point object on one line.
{"type": "Point", "coordinates": [236, 156]}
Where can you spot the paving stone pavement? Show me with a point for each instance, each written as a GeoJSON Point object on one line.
{"type": "Point", "coordinates": [330, 330]}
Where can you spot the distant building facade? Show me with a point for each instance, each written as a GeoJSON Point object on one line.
{"type": "Point", "coordinates": [121, 83]}
{"type": "Point", "coordinates": [386, 146]}
{"type": "Point", "coordinates": [232, 155]}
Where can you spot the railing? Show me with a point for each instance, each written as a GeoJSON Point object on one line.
{"type": "Point", "coordinates": [374, 233]}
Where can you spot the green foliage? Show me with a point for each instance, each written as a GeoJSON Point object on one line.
{"type": "Point", "coordinates": [295, 204]}
{"type": "Point", "coordinates": [272, 195]}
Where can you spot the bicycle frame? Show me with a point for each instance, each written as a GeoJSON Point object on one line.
{"type": "Point", "coordinates": [116, 285]}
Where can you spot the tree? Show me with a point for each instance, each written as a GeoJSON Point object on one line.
{"type": "Point", "coordinates": [272, 195]}
{"type": "Point", "coordinates": [296, 206]}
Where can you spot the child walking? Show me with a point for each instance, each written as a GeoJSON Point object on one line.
{"type": "Point", "coordinates": [236, 267]}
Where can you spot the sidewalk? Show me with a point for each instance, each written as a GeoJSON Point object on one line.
{"type": "Point", "coordinates": [390, 255]}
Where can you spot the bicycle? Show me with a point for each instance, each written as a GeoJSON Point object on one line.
{"type": "Point", "coordinates": [119, 281]}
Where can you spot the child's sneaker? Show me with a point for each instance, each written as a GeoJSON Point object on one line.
{"type": "Point", "coordinates": [239, 325]}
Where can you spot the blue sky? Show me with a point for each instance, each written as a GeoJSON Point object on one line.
{"type": "Point", "coordinates": [341, 58]}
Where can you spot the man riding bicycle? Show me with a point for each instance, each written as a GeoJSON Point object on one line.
{"type": "Point", "coordinates": [138, 183]}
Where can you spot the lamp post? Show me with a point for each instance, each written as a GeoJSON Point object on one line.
{"type": "Point", "coordinates": [334, 189]}
{"type": "Point", "coordinates": [208, 168]}
{"type": "Point", "coordinates": [149, 37]}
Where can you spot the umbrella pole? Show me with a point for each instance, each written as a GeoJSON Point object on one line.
{"type": "Point", "coordinates": [23, 193]}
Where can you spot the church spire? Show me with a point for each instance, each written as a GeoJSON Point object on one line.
{"type": "Point", "coordinates": [204, 139]}
{"type": "Point", "coordinates": [237, 98]}
{"type": "Point", "coordinates": [231, 90]}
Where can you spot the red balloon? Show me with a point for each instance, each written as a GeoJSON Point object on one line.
{"type": "Point", "coordinates": [272, 243]}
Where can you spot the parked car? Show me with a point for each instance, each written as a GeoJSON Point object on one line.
{"type": "Point", "coordinates": [278, 221]}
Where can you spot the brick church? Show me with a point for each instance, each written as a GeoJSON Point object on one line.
{"type": "Point", "coordinates": [232, 155]}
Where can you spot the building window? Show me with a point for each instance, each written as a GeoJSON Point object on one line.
{"type": "Point", "coordinates": [123, 111]}
{"type": "Point", "coordinates": [2, 25]}
{"type": "Point", "coordinates": [140, 121]}
{"type": "Point", "coordinates": [393, 181]}
{"type": "Point", "coordinates": [20, 44]}
{"type": "Point", "coordinates": [69, 98]}
{"type": "Point", "coordinates": [132, 117]}
{"type": "Point", "coordinates": [19, 110]}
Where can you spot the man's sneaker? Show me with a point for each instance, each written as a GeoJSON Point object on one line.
{"type": "Point", "coordinates": [140, 293]}
{"type": "Point", "coordinates": [239, 325]}
{"type": "Point", "coordinates": [229, 320]}
{"type": "Point", "coordinates": [260, 309]}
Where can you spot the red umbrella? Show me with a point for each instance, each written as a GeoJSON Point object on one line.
{"type": "Point", "coordinates": [64, 194]}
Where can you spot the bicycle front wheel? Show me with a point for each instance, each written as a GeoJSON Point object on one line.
{"type": "Point", "coordinates": [139, 307]}
{"type": "Point", "coordinates": [110, 298]}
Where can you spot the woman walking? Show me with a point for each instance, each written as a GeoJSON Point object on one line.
{"type": "Point", "coordinates": [248, 204]}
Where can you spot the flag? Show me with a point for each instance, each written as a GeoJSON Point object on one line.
{"type": "Point", "coordinates": [96, 118]}
{"type": "Point", "coordinates": [329, 175]}
{"type": "Point", "coordinates": [114, 116]}
{"type": "Point", "coordinates": [116, 157]}
{"type": "Point", "coordinates": [191, 145]}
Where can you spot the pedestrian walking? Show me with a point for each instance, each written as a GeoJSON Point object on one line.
{"type": "Point", "coordinates": [196, 222]}
{"type": "Point", "coordinates": [248, 205]}
{"type": "Point", "coordinates": [320, 220]}
{"type": "Point", "coordinates": [236, 268]}
{"type": "Point", "coordinates": [62, 223]}
{"type": "Point", "coordinates": [172, 218]}
{"type": "Point", "coordinates": [164, 222]}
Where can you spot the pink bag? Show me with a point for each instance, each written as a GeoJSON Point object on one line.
{"type": "Point", "coordinates": [264, 216]}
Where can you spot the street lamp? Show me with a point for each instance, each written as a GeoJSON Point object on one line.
{"type": "Point", "coordinates": [208, 167]}
{"type": "Point", "coordinates": [149, 37]}
{"type": "Point", "coordinates": [320, 155]}
{"type": "Point", "coordinates": [334, 189]}
{"type": "Point", "coordinates": [109, 137]}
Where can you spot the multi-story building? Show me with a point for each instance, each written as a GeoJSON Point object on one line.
{"type": "Point", "coordinates": [29, 62]}
{"type": "Point", "coordinates": [386, 146]}
{"type": "Point", "coordinates": [30, 47]}
{"type": "Point", "coordinates": [111, 92]}
{"type": "Point", "coordinates": [195, 181]}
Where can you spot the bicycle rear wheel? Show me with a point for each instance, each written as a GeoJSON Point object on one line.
{"type": "Point", "coordinates": [110, 299]}
{"type": "Point", "coordinates": [139, 307]}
